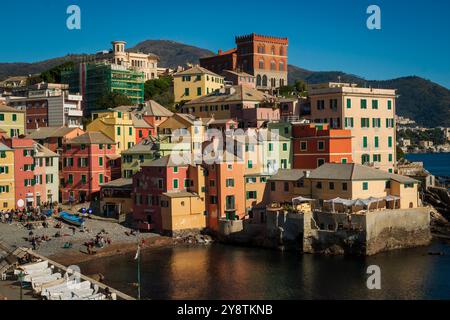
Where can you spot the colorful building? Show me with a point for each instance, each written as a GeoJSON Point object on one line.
{"type": "Point", "coordinates": [12, 121]}
{"type": "Point", "coordinates": [367, 112]}
{"type": "Point", "coordinates": [250, 107]}
{"type": "Point", "coordinates": [155, 178]}
{"type": "Point", "coordinates": [225, 183]}
{"type": "Point", "coordinates": [115, 200]}
{"type": "Point", "coordinates": [89, 161]}
{"type": "Point", "coordinates": [117, 124]}
{"type": "Point", "coordinates": [264, 57]}
{"type": "Point", "coordinates": [195, 82]}
{"type": "Point", "coordinates": [316, 144]}
{"type": "Point", "coordinates": [155, 114]}
{"type": "Point", "coordinates": [54, 137]}
{"type": "Point", "coordinates": [237, 78]}
{"type": "Point", "coordinates": [48, 105]}
{"type": "Point", "coordinates": [7, 185]}
{"type": "Point", "coordinates": [46, 175]}
{"type": "Point", "coordinates": [139, 155]}
{"type": "Point", "coordinates": [94, 80]}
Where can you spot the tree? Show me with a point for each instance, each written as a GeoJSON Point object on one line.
{"type": "Point", "coordinates": [300, 86]}
{"type": "Point", "coordinates": [112, 100]}
{"type": "Point", "coordinates": [53, 75]}
{"type": "Point", "coordinates": [400, 153]}
{"type": "Point", "coordinates": [160, 90]}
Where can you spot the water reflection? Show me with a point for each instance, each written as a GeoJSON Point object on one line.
{"type": "Point", "coordinates": [225, 272]}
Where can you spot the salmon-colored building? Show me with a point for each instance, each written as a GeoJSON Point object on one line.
{"type": "Point", "coordinates": [89, 160]}
{"type": "Point", "coordinates": [155, 178]}
{"type": "Point", "coordinates": [317, 144]}
{"type": "Point", "coordinates": [225, 184]}
{"type": "Point", "coordinates": [23, 171]}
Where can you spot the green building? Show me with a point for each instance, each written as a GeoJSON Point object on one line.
{"type": "Point", "coordinates": [96, 79]}
{"type": "Point", "coordinates": [278, 146]}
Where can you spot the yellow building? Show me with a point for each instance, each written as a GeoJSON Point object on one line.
{"type": "Point", "coordinates": [117, 124]}
{"type": "Point", "coordinates": [195, 82]}
{"type": "Point", "coordinates": [7, 190]}
{"type": "Point", "coordinates": [12, 121]}
{"type": "Point", "coordinates": [185, 210]}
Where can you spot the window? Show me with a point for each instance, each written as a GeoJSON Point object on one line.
{"type": "Point", "coordinates": [230, 183]}
{"type": "Point", "coordinates": [390, 142]}
{"type": "Point", "coordinates": [377, 158]}
{"type": "Point", "coordinates": [343, 160]}
{"type": "Point", "coordinates": [365, 158]}
{"type": "Point", "coordinates": [100, 146]}
{"type": "Point", "coordinates": [213, 199]}
{"type": "Point", "coordinates": [118, 131]}
{"type": "Point", "coordinates": [14, 117]}
{"type": "Point", "coordinates": [388, 184]}
{"type": "Point", "coordinates": [100, 161]}
{"type": "Point", "coordinates": [83, 179]}
{"type": "Point", "coordinates": [270, 147]}
{"type": "Point", "coordinates": [250, 180]}
{"type": "Point", "coordinates": [187, 183]}
{"type": "Point", "coordinates": [333, 104]}
{"type": "Point", "coordinates": [175, 183]}
{"type": "Point", "coordinates": [376, 122]}
{"type": "Point", "coordinates": [320, 145]}
{"type": "Point", "coordinates": [320, 162]}
{"type": "Point", "coordinates": [365, 123]}
{"type": "Point", "coordinates": [365, 186]}
{"type": "Point", "coordinates": [331, 185]}
{"type": "Point", "coordinates": [251, 195]}
{"type": "Point", "coordinates": [70, 179]}
{"type": "Point", "coordinates": [100, 178]}
{"type": "Point", "coordinates": [363, 104]}
{"type": "Point", "coordinates": [374, 104]}
{"type": "Point", "coordinates": [364, 142]}
{"type": "Point", "coordinates": [261, 64]}
{"type": "Point", "coordinates": [130, 131]}
{"type": "Point", "coordinates": [349, 103]}
{"type": "Point", "coordinates": [283, 163]}
{"type": "Point", "coordinates": [285, 146]}
{"type": "Point", "coordinates": [344, 186]}
{"type": "Point", "coordinates": [175, 169]}
{"type": "Point", "coordinates": [2, 117]}
{"type": "Point", "coordinates": [199, 91]}
{"type": "Point", "coordinates": [303, 146]}
{"type": "Point", "coordinates": [389, 104]}
{"type": "Point", "coordinates": [348, 122]}
{"type": "Point", "coordinates": [273, 186]}
{"type": "Point", "coordinates": [249, 164]}
{"type": "Point", "coordinates": [320, 104]}
{"type": "Point", "coordinates": [263, 179]}
{"type": "Point", "coordinates": [286, 186]}
{"type": "Point", "coordinates": [390, 157]}
{"type": "Point", "coordinates": [377, 144]}
{"type": "Point", "coordinates": [319, 185]}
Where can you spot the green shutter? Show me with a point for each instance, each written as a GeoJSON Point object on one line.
{"type": "Point", "coordinates": [389, 104]}
{"type": "Point", "coordinates": [349, 103]}
{"type": "Point", "coordinates": [364, 142]}
{"type": "Point", "coordinates": [100, 178]}
{"type": "Point", "coordinates": [100, 161]}
{"type": "Point", "coordinates": [390, 142]}
{"type": "Point", "coordinates": [363, 104]}
{"type": "Point", "coordinates": [376, 142]}
{"type": "Point", "coordinates": [175, 183]}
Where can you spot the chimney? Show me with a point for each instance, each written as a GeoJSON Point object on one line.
{"type": "Point", "coordinates": [220, 51]}
{"type": "Point", "coordinates": [306, 174]}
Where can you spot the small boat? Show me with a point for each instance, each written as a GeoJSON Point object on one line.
{"type": "Point", "coordinates": [35, 274]}
{"type": "Point", "coordinates": [57, 288]}
{"type": "Point", "coordinates": [42, 280]}
{"type": "Point", "coordinates": [71, 219]}
{"type": "Point", "coordinates": [98, 296]}
{"type": "Point", "coordinates": [39, 289]}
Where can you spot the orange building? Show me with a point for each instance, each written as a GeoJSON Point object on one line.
{"type": "Point", "coordinates": [317, 144]}
{"type": "Point", "coordinates": [225, 185]}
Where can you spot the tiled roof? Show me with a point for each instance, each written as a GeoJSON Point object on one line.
{"type": "Point", "coordinates": [147, 145]}
{"type": "Point", "coordinates": [50, 132]}
{"type": "Point", "coordinates": [122, 182]}
{"type": "Point", "coordinates": [196, 70]}
{"type": "Point", "coordinates": [91, 138]}
{"type": "Point", "coordinates": [44, 152]}
{"type": "Point", "coordinates": [288, 175]}
{"type": "Point", "coordinates": [5, 108]}
{"type": "Point", "coordinates": [152, 108]}
{"type": "Point", "coordinates": [355, 172]}
{"type": "Point", "coordinates": [167, 161]}
{"type": "Point", "coordinates": [231, 94]}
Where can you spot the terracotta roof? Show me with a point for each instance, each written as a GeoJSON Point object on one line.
{"type": "Point", "coordinates": [196, 70]}
{"type": "Point", "coordinates": [91, 138]}
{"type": "Point", "coordinates": [50, 132]}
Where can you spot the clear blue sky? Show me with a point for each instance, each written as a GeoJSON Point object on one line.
{"type": "Point", "coordinates": [324, 35]}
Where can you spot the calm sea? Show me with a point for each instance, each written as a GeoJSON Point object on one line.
{"type": "Point", "coordinates": [437, 163]}
{"type": "Point", "coordinates": [222, 272]}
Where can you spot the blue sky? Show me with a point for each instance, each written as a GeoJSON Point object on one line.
{"type": "Point", "coordinates": [324, 35]}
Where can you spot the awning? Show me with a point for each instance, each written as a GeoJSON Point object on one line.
{"type": "Point", "coordinates": [298, 200]}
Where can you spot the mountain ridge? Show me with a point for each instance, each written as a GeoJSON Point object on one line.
{"type": "Point", "coordinates": [422, 100]}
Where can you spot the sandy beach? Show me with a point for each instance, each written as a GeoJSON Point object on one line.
{"type": "Point", "coordinates": [16, 235]}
